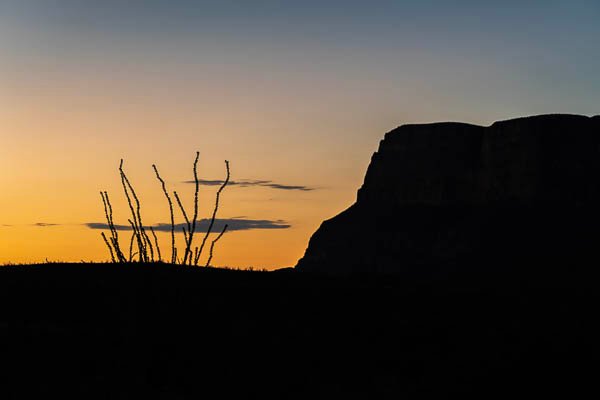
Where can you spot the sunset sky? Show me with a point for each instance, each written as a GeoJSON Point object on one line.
{"type": "Point", "coordinates": [295, 94]}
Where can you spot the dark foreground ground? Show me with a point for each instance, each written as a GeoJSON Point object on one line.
{"type": "Point", "coordinates": [123, 332]}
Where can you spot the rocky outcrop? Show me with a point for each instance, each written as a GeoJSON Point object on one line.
{"type": "Point", "coordinates": [450, 193]}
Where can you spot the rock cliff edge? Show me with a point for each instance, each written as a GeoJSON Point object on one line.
{"type": "Point", "coordinates": [445, 194]}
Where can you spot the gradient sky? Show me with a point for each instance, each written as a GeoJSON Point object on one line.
{"type": "Point", "coordinates": [296, 94]}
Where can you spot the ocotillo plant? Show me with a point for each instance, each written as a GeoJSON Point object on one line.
{"type": "Point", "coordinates": [146, 249]}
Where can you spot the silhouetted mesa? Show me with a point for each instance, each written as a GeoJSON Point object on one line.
{"type": "Point", "coordinates": [451, 195]}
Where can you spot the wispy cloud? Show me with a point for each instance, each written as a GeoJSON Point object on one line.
{"type": "Point", "coordinates": [44, 224]}
{"type": "Point", "coordinates": [251, 182]}
{"type": "Point", "coordinates": [234, 224]}
{"type": "Point", "coordinates": [288, 187]}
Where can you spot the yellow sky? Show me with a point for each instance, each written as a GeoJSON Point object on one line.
{"type": "Point", "coordinates": [61, 147]}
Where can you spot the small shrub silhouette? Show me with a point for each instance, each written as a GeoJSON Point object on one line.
{"type": "Point", "coordinates": [147, 250]}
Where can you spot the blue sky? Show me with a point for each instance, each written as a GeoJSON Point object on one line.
{"type": "Point", "coordinates": [546, 48]}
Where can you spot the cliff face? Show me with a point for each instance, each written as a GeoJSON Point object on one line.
{"type": "Point", "coordinates": [450, 193]}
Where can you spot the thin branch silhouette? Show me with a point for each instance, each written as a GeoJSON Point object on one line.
{"type": "Point", "coordinates": [164, 188]}
{"type": "Point", "coordinates": [136, 230]}
{"type": "Point", "coordinates": [112, 254]}
{"type": "Point", "coordinates": [212, 246]}
{"type": "Point", "coordinates": [187, 221]}
{"type": "Point", "coordinates": [156, 244]}
{"type": "Point", "coordinates": [114, 240]}
{"type": "Point", "coordinates": [148, 249]}
{"type": "Point", "coordinates": [193, 227]}
{"type": "Point", "coordinates": [214, 215]}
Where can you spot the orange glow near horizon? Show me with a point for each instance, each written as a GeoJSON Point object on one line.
{"type": "Point", "coordinates": [62, 141]}
{"type": "Point", "coordinates": [299, 94]}
{"type": "Point", "coordinates": [51, 202]}
{"type": "Point", "coordinates": [63, 148]}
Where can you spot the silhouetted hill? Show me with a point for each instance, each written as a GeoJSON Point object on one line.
{"type": "Point", "coordinates": [152, 331]}
{"type": "Point", "coordinates": [446, 197]}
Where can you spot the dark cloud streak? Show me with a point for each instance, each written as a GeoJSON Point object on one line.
{"type": "Point", "coordinates": [249, 183]}
{"type": "Point", "coordinates": [234, 224]}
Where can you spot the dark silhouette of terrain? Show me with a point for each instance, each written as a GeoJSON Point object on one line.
{"type": "Point", "coordinates": [449, 196]}
{"type": "Point", "coordinates": [158, 331]}
{"type": "Point", "coordinates": [467, 268]}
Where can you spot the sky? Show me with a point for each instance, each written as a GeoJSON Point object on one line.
{"type": "Point", "coordinates": [295, 94]}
